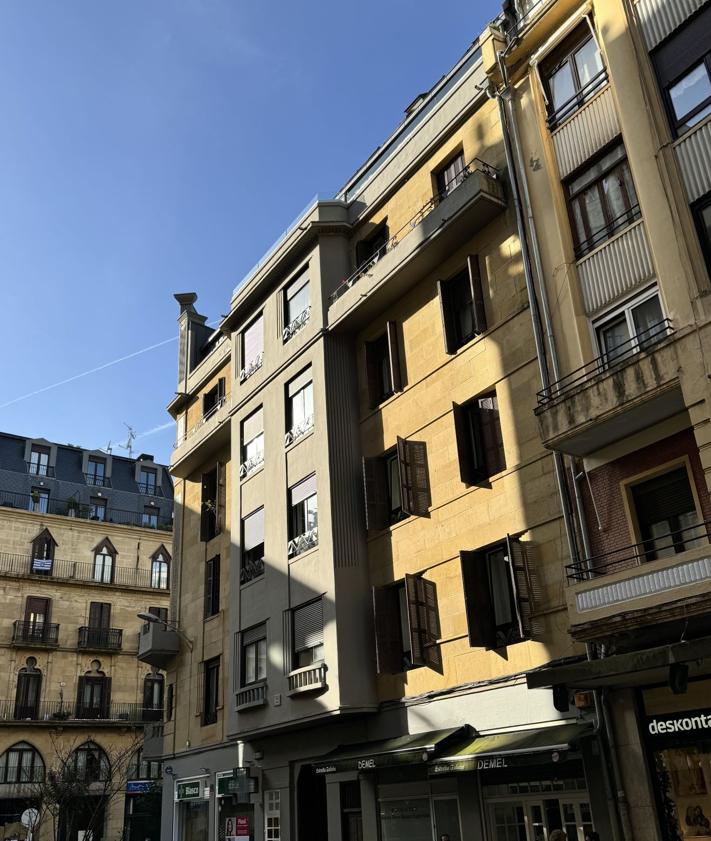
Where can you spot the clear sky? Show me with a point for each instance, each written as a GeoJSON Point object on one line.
{"type": "Point", "coordinates": [151, 147]}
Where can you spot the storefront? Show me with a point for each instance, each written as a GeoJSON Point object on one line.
{"type": "Point", "coordinates": [192, 809]}
{"type": "Point", "coordinates": [142, 810]}
{"type": "Point", "coordinates": [234, 816]}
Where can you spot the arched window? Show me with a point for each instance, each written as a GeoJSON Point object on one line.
{"type": "Point", "coordinates": [104, 561]}
{"type": "Point", "coordinates": [153, 696]}
{"type": "Point", "coordinates": [160, 568]}
{"type": "Point", "coordinates": [21, 764]}
{"type": "Point", "coordinates": [29, 687]}
{"type": "Point", "coordinates": [43, 547]}
{"type": "Point", "coordinates": [89, 762]}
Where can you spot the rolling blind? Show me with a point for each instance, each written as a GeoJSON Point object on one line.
{"type": "Point", "coordinates": [308, 625]}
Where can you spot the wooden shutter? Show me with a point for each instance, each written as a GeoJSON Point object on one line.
{"type": "Point", "coordinates": [375, 485]}
{"type": "Point", "coordinates": [220, 498]}
{"type": "Point", "coordinates": [38, 607]}
{"type": "Point", "coordinates": [423, 618]}
{"type": "Point", "coordinates": [372, 376]}
{"type": "Point", "coordinates": [80, 695]}
{"type": "Point", "coordinates": [521, 585]}
{"type": "Point", "coordinates": [477, 294]}
{"type": "Point", "coordinates": [388, 638]}
{"type": "Point", "coordinates": [445, 310]}
{"type": "Point", "coordinates": [209, 587]}
{"type": "Point", "coordinates": [414, 479]}
{"type": "Point", "coordinates": [394, 356]}
{"type": "Point", "coordinates": [492, 442]}
{"type": "Point", "coordinates": [477, 600]}
{"type": "Point", "coordinates": [468, 471]}
{"type": "Point", "coordinates": [220, 389]}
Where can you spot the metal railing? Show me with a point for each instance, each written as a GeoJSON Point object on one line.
{"type": "Point", "coordinates": [210, 413]}
{"type": "Point", "coordinates": [108, 639]}
{"type": "Point", "coordinates": [217, 344]}
{"type": "Point", "coordinates": [307, 679]}
{"type": "Point", "coordinates": [77, 571]}
{"type": "Point", "coordinates": [251, 464]}
{"type": "Point", "coordinates": [149, 489]}
{"type": "Point", "coordinates": [635, 554]}
{"type": "Point", "coordinates": [303, 542]}
{"type": "Point", "coordinates": [97, 481]}
{"type": "Point", "coordinates": [528, 11]}
{"type": "Point", "coordinates": [609, 361]}
{"type": "Point", "coordinates": [299, 430]}
{"type": "Point", "coordinates": [68, 711]}
{"type": "Point", "coordinates": [34, 633]}
{"type": "Point", "coordinates": [35, 469]}
{"type": "Point", "coordinates": [251, 568]}
{"type": "Point", "coordinates": [73, 507]}
{"type": "Point", "coordinates": [475, 165]}
{"type": "Point", "coordinates": [251, 367]}
{"type": "Point", "coordinates": [296, 324]}
{"type": "Point", "coordinates": [251, 696]}
{"type": "Point", "coordinates": [607, 231]}
{"type": "Point", "coordinates": [578, 99]}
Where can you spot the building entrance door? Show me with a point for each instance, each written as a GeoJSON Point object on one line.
{"type": "Point", "coordinates": [529, 819]}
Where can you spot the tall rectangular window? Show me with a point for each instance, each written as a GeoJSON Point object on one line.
{"type": "Point", "coordinates": [252, 347]}
{"type": "Point", "coordinates": [382, 360]}
{"type": "Point", "coordinates": [252, 456]}
{"type": "Point", "coordinates": [149, 517]}
{"type": "Point", "coordinates": [252, 546]}
{"type": "Point", "coordinates": [480, 445]}
{"type": "Point", "coordinates": [307, 634]}
{"type": "Point", "coordinates": [97, 509]}
{"type": "Point", "coordinates": [572, 75]}
{"type": "Point", "coordinates": [39, 461]}
{"type": "Point", "coordinates": [96, 474]}
{"type": "Point", "coordinates": [462, 306]}
{"type": "Point", "coordinates": [299, 406]}
{"type": "Point", "coordinates": [303, 516]}
{"type": "Point", "coordinates": [272, 816]}
{"type": "Point", "coordinates": [211, 689]}
{"type": "Point", "coordinates": [450, 176]}
{"type": "Point", "coordinates": [297, 305]}
{"type": "Point", "coordinates": [39, 500]}
{"type": "Point", "coordinates": [212, 502]}
{"type": "Point", "coordinates": [253, 660]}
{"type": "Point", "coordinates": [213, 399]}
{"type": "Point", "coordinates": [396, 484]}
{"type": "Point", "coordinates": [212, 587]}
{"type": "Point", "coordinates": [148, 480]}
{"type": "Point", "coordinates": [372, 247]}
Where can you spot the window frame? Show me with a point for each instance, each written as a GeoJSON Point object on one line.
{"type": "Point", "coordinates": [98, 503]}
{"type": "Point", "coordinates": [104, 550]}
{"type": "Point", "coordinates": [40, 467]}
{"type": "Point", "coordinates": [210, 700]}
{"type": "Point", "coordinates": [258, 679]}
{"type": "Point", "coordinates": [294, 531]}
{"type": "Point", "coordinates": [293, 651]}
{"type": "Point", "coordinates": [246, 575]}
{"type": "Point", "coordinates": [698, 209]}
{"type": "Point", "coordinates": [625, 309]}
{"type": "Point", "coordinates": [211, 588]}
{"type": "Point", "coordinates": [160, 560]}
{"type": "Point", "coordinates": [450, 305]}
{"type": "Point", "coordinates": [369, 249]}
{"type": "Point", "coordinates": [290, 290]}
{"type": "Point", "coordinates": [22, 748]}
{"type": "Point", "coordinates": [92, 476]}
{"type": "Point", "coordinates": [41, 506]}
{"type": "Point", "coordinates": [249, 366]}
{"type": "Point", "coordinates": [678, 124]}
{"type": "Point", "coordinates": [383, 349]}
{"type": "Point", "coordinates": [244, 444]}
{"type": "Point", "coordinates": [477, 462]}
{"type": "Point", "coordinates": [445, 186]}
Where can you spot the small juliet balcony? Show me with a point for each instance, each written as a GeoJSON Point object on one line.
{"type": "Point", "coordinates": [299, 544]}
{"type": "Point", "coordinates": [40, 634]}
{"type": "Point", "coordinates": [615, 395]}
{"type": "Point", "coordinates": [307, 679]}
{"type": "Point", "coordinates": [207, 436]}
{"type": "Point", "coordinates": [251, 697]}
{"type": "Point", "coordinates": [656, 580]}
{"type": "Point", "coordinates": [157, 644]}
{"type": "Point", "coordinates": [100, 639]}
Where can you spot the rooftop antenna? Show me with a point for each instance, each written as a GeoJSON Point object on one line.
{"type": "Point", "coordinates": [107, 448]}
{"type": "Point", "coordinates": [129, 441]}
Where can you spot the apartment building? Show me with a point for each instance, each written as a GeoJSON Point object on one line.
{"type": "Point", "coordinates": [608, 107]}
{"type": "Point", "coordinates": [85, 544]}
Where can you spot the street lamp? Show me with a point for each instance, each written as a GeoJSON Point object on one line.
{"type": "Point", "coordinates": [151, 617]}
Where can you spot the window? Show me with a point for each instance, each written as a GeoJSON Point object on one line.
{"type": "Point", "coordinates": [573, 74]}
{"type": "Point", "coordinates": [396, 485]}
{"type": "Point", "coordinates": [462, 306]}
{"type": "Point", "coordinates": [449, 177]}
{"type": "Point", "coordinates": [39, 461]}
{"type": "Point", "coordinates": [212, 502]}
{"type": "Point", "coordinates": [148, 481]}
{"type": "Point", "coordinates": [21, 764]}
{"type": "Point", "coordinates": [39, 500]}
{"type": "Point", "coordinates": [272, 815]}
{"type": "Point", "coordinates": [213, 399]}
{"type": "Point", "coordinates": [602, 200]}
{"type": "Point", "coordinates": [252, 443]}
{"type": "Point", "coordinates": [371, 248]}
{"type": "Point", "coordinates": [635, 326]}
{"type": "Point", "coordinates": [160, 612]}
{"type": "Point", "coordinates": [253, 661]}
{"type": "Point", "coordinates": [90, 763]}
{"type": "Point", "coordinates": [307, 634]}
{"type": "Point", "coordinates": [160, 569]}
{"type": "Point", "coordinates": [297, 306]}
{"type": "Point", "coordinates": [104, 556]}
{"type": "Point", "coordinates": [666, 514]}
{"type": "Point", "coordinates": [29, 688]}
{"type": "Point", "coordinates": [94, 695]}
{"type": "Point", "coordinates": [303, 516]}
{"type": "Point", "coordinates": [382, 361]}
{"type": "Point", "coordinates": [43, 547]}
{"type": "Point", "coordinates": [143, 769]}
{"type": "Point", "coordinates": [407, 625]}
{"type": "Point", "coordinates": [149, 518]}
{"type": "Point", "coordinates": [252, 348]}
{"type": "Point", "coordinates": [480, 446]}
{"type": "Point", "coordinates": [153, 685]}
{"type": "Point", "coordinates": [299, 406]}
{"type": "Point", "coordinates": [211, 687]}
{"type": "Point", "coordinates": [96, 472]}
{"type": "Point", "coordinates": [690, 96]}
{"type": "Point", "coordinates": [99, 623]}
{"type": "Point", "coordinates": [212, 587]}
{"type": "Point", "coordinates": [497, 594]}
{"type": "Point", "coordinates": [97, 509]}
{"type": "Point", "coordinates": [252, 546]}
{"type": "Point", "coordinates": [38, 612]}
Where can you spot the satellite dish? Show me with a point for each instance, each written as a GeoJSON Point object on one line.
{"type": "Point", "coordinates": [29, 818]}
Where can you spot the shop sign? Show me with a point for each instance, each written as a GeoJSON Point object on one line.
{"type": "Point", "coordinates": [239, 784]}
{"type": "Point", "coordinates": [371, 763]}
{"type": "Point", "coordinates": [189, 791]}
{"type": "Point", "coordinates": [688, 724]}
{"type": "Point", "coordinates": [494, 762]}
{"type": "Point", "coordinates": [139, 786]}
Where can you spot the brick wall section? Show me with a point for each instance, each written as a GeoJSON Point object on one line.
{"type": "Point", "coordinates": [605, 481]}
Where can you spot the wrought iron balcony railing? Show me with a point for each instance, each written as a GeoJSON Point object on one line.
{"type": "Point", "coordinates": [70, 711]}
{"type": "Point", "coordinates": [303, 542]}
{"type": "Point", "coordinates": [299, 430]}
{"type": "Point", "coordinates": [149, 489]}
{"type": "Point", "coordinates": [251, 568]}
{"type": "Point", "coordinates": [97, 481]}
{"type": "Point", "coordinates": [34, 633]}
{"type": "Point", "coordinates": [251, 464]}
{"type": "Point", "coordinates": [36, 469]}
{"type": "Point", "coordinates": [607, 231]}
{"type": "Point", "coordinates": [251, 367]}
{"type": "Point", "coordinates": [618, 356]}
{"type": "Point", "coordinates": [298, 323]}
{"type": "Point", "coordinates": [107, 639]}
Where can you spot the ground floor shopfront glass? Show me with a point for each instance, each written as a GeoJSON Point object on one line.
{"type": "Point", "coordinates": [192, 810]}
{"type": "Point", "coordinates": [420, 818]}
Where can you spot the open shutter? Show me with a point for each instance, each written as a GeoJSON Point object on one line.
{"type": "Point", "coordinates": [81, 683]}
{"type": "Point", "coordinates": [521, 585]}
{"type": "Point", "coordinates": [414, 478]}
{"type": "Point", "coordinates": [388, 641]}
{"type": "Point", "coordinates": [477, 600]}
{"type": "Point", "coordinates": [204, 512]}
{"type": "Point", "coordinates": [477, 294]}
{"type": "Point", "coordinates": [221, 498]}
{"type": "Point", "coordinates": [394, 356]}
{"type": "Point", "coordinates": [376, 493]}
{"type": "Point", "coordinates": [221, 389]}
{"type": "Point", "coordinates": [371, 370]}
{"type": "Point", "coordinates": [465, 451]}
{"type": "Point", "coordinates": [418, 627]}
{"type": "Point", "coordinates": [423, 615]}
{"type": "Point", "coordinates": [209, 585]}
{"type": "Point", "coordinates": [445, 310]}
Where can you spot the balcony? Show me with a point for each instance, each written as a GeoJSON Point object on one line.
{"type": "Point", "coordinates": [149, 489]}
{"type": "Point", "coordinates": [425, 241]}
{"type": "Point", "coordinates": [69, 712]}
{"type": "Point", "coordinates": [295, 326]}
{"type": "Point", "coordinates": [251, 570]}
{"type": "Point", "coordinates": [308, 679]}
{"type": "Point", "coordinates": [42, 470]}
{"type": "Point", "coordinates": [73, 507]}
{"type": "Point", "coordinates": [59, 570]}
{"type": "Point", "coordinates": [251, 465]}
{"type": "Point", "coordinates": [97, 481]}
{"type": "Point", "coordinates": [157, 644]}
{"type": "Point", "coordinates": [210, 433]}
{"type": "Point", "coordinates": [615, 395]}
{"type": "Point", "coordinates": [642, 583]}
{"type": "Point", "coordinates": [100, 639]}
{"type": "Point", "coordinates": [251, 697]}
{"type": "Point", "coordinates": [693, 152]}
{"type": "Point", "coordinates": [42, 634]}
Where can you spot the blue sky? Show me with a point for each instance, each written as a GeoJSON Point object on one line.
{"type": "Point", "coordinates": [157, 147]}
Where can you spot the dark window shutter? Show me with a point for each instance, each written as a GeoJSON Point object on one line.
{"type": "Point", "coordinates": [147, 693]}
{"type": "Point", "coordinates": [308, 625]}
{"type": "Point", "coordinates": [80, 695]}
{"type": "Point", "coordinates": [371, 369]}
{"type": "Point", "coordinates": [418, 630]}
{"type": "Point", "coordinates": [477, 294]}
{"type": "Point", "coordinates": [445, 309]}
{"type": "Point", "coordinates": [216, 584]}
{"type": "Point", "coordinates": [169, 702]}
{"type": "Point", "coordinates": [376, 494]}
{"type": "Point", "coordinates": [204, 513]}
{"type": "Point", "coordinates": [99, 615]}
{"type": "Point", "coordinates": [468, 471]}
{"type": "Point", "coordinates": [220, 500]}
{"type": "Point", "coordinates": [492, 442]}
{"type": "Point", "coordinates": [521, 585]}
{"type": "Point", "coordinates": [477, 600]}
{"type": "Point", "coordinates": [388, 638]}
{"type": "Point", "coordinates": [423, 616]}
{"type": "Point", "coordinates": [220, 389]}
{"type": "Point", "coordinates": [394, 355]}
{"type": "Point", "coordinates": [209, 587]}
{"type": "Point", "coordinates": [414, 479]}
{"type": "Point", "coordinates": [362, 252]}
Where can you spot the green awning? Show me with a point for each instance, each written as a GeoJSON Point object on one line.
{"type": "Point", "coordinates": [503, 750]}
{"type": "Point", "coordinates": [403, 750]}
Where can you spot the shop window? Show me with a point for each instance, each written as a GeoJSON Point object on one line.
{"type": "Point", "coordinates": [371, 248]}
{"type": "Point", "coordinates": [396, 484]}
{"type": "Point", "coordinates": [480, 445]}
{"type": "Point", "coordinates": [29, 690]}
{"type": "Point", "coordinates": [104, 562]}
{"type": "Point", "coordinates": [299, 407]}
{"type": "Point", "coordinates": [497, 594]}
{"type": "Point", "coordinates": [210, 693]}
{"type": "Point", "coordinates": [212, 502]}
{"type": "Point", "coordinates": [251, 347]}
{"type": "Point", "coordinates": [213, 399]}
{"type": "Point", "coordinates": [462, 306]}
{"type": "Point", "coordinates": [303, 516]}
{"type": "Point", "coordinates": [307, 634]}
{"type": "Point", "coordinates": [43, 547]}
{"type": "Point", "coordinates": [635, 326]}
{"type": "Point", "coordinates": [253, 655]}
{"type": "Point", "coordinates": [252, 546]}
{"type": "Point", "coordinates": [602, 200]}
{"type": "Point", "coordinates": [252, 456]}
{"type": "Point", "coordinates": [406, 626]}
{"type": "Point", "coordinates": [405, 818]}
{"type": "Point", "coordinates": [212, 588]}
{"type": "Point", "coordinates": [450, 176]}
{"type": "Point", "coordinates": [572, 75]}
{"type": "Point", "coordinates": [382, 361]}
{"type": "Point", "coordinates": [666, 514]}
{"type": "Point", "coordinates": [21, 764]}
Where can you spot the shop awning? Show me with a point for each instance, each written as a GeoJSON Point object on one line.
{"type": "Point", "coordinates": [403, 750]}
{"type": "Point", "coordinates": [503, 750]}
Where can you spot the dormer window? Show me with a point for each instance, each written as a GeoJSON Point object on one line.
{"type": "Point", "coordinates": [39, 461]}
{"type": "Point", "coordinates": [148, 480]}
{"type": "Point", "coordinates": [96, 472]}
